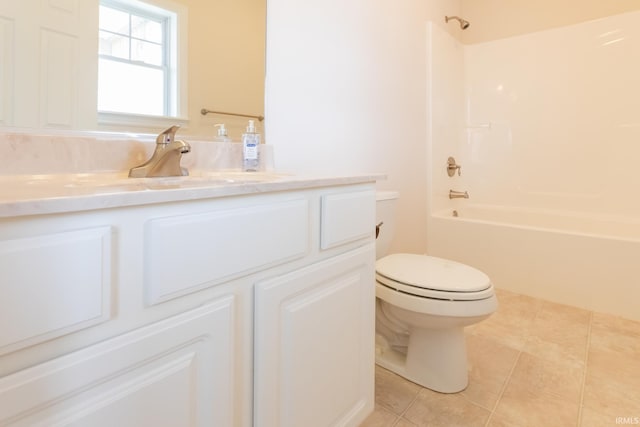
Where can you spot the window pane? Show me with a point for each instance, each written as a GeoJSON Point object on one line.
{"type": "Point", "coordinates": [135, 44]}
{"type": "Point", "coordinates": [129, 88]}
{"type": "Point", "coordinates": [146, 29]}
{"type": "Point", "coordinates": [114, 45]}
{"type": "Point", "coordinates": [149, 53]}
{"type": "Point", "coordinates": [114, 20]}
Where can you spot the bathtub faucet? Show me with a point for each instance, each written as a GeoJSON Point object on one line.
{"type": "Point", "coordinates": [458, 194]}
{"type": "Point", "coordinates": [165, 160]}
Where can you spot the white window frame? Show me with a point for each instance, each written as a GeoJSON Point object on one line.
{"type": "Point", "coordinates": [177, 66]}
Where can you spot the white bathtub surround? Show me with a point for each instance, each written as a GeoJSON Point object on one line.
{"type": "Point", "coordinates": [551, 220]}
{"type": "Point", "coordinates": [547, 139]}
{"type": "Point", "coordinates": [587, 262]}
{"type": "Point", "coordinates": [563, 105]}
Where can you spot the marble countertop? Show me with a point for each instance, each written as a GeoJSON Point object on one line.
{"type": "Point", "coordinates": [71, 171]}
{"type": "Point", "coordinates": [58, 193]}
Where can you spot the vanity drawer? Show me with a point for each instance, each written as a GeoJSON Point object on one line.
{"type": "Point", "coordinates": [53, 284]}
{"type": "Point", "coordinates": [346, 217]}
{"type": "Point", "coordinates": [186, 253]}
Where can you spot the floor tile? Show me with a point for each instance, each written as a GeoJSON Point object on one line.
{"type": "Point", "coordinates": [518, 305]}
{"type": "Point", "coordinates": [612, 385]}
{"type": "Point", "coordinates": [490, 364]}
{"type": "Point", "coordinates": [435, 409]}
{"type": "Point", "coordinates": [534, 363]}
{"type": "Point", "coordinates": [510, 324]}
{"type": "Point", "coordinates": [393, 392]}
{"type": "Point", "coordinates": [507, 330]}
{"type": "Point", "coordinates": [498, 421]}
{"type": "Point", "coordinates": [559, 332]}
{"type": "Point", "coordinates": [572, 351]}
{"type": "Point", "coordinates": [591, 418]}
{"type": "Point", "coordinates": [380, 418]}
{"type": "Point", "coordinates": [524, 406]}
{"type": "Point", "coordinates": [615, 334]}
{"type": "Point", "coordinates": [564, 314]}
{"type": "Point", "coordinates": [562, 377]}
{"type": "Point", "coordinates": [404, 423]}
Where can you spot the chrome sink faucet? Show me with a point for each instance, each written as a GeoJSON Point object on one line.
{"type": "Point", "coordinates": [165, 160]}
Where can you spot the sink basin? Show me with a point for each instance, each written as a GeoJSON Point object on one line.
{"type": "Point", "coordinates": [195, 179]}
{"type": "Point", "coordinates": [55, 185]}
{"type": "Point", "coordinates": [231, 177]}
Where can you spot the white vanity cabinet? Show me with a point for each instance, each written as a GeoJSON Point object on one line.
{"type": "Point", "coordinates": [314, 327]}
{"type": "Point", "coordinates": [81, 344]}
{"type": "Point", "coordinates": [244, 310]}
{"type": "Point", "coordinates": [313, 344]}
{"type": "Point", "coordinates": [175, 372]}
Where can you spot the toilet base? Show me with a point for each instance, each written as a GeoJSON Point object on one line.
{"type": "Point", "coordinates": [435, 359]}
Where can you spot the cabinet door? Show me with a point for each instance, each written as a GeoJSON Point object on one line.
{"type": "Point", "coordinates": [176, 372]}
{"type": "Point", "coordinates": [49, 64]}
{"type": "Point", "coordinates": [314, 344]}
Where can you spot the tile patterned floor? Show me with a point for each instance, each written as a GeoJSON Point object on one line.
{"type": "Point", "coordinates": [533, 363]}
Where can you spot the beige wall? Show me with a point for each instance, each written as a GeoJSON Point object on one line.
{"type": "Point", "coordinates": [436, 10]}
{"type": "Point", "coordinates": [346, 93]}
{"type": "Point", "coordinates": [496, 19]}
{"type": "Point", "coordinates": [226, 62]}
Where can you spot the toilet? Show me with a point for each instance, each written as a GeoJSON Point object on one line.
{"type": "Point", "coordinates": [423, 304]}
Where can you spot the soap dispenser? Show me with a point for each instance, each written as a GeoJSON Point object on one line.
{"type": "Point", "coordinates": [250, 149]}
{"type": "Point", "coordinates": [222, 134]}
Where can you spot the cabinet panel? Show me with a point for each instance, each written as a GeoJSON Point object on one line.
{"type": "Point", "coordinates": [347, 217]}
{"type": "Point", "coordinates": [59, 61]}
{"type": "Point", "coordinates": [190, 252]}
{"type": "Point", "coordinates": [64, 6]}
{"type": "Point", "coordinates": [314, 344]}
{"type": "Point", "coordinates": [177, 372]}
{"type": "Point", "coordinates": [53, 284]}
{"type": "Point", "coordinates": [53, 63]}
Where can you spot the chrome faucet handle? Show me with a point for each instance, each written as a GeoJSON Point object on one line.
{"type": "Point", "coordinates": [165, 160]}
{"type": "Point", "coordinates": [452, 166]}
{"type": "Point", "coordinates": [167, 136]}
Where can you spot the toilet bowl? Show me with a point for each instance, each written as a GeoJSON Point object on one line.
{"type": "Point", "coordinates": [423, 304]}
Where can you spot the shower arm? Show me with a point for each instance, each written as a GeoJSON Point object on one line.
{"type": "Point", "coordinates": [464, 24]}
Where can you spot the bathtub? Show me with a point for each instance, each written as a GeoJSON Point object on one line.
{"type": "Point", "coordinates": [592, 262]}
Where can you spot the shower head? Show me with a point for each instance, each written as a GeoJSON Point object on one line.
{"type": "Point", "coordinates": [463, 24]}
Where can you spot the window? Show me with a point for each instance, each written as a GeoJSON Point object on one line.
{"type": "Point", "coordinates": [137, 66]}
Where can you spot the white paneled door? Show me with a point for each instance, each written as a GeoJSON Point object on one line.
{"type": "Point", "coordinates": [314, 344]}
{"type": "Point", "coordinates": [49, 63]}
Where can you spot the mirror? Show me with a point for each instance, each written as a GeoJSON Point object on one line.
{"type": "Point", "coordinates": [225, 65]}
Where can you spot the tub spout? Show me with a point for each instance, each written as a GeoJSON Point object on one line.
{"type": "Point", "coordinates": [458, 194]}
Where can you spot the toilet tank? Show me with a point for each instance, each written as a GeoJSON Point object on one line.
{"type": "Point", "coordinates": [385, 213]}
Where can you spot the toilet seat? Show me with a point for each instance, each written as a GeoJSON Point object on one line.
{"type": "Point", "coordinates": [433, 278]}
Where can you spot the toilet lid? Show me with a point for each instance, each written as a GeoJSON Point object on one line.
{"type": "Point", "coordinates": [436, 274]}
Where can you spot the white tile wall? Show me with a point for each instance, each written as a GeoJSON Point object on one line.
{"type": "Point", "coordinates": [564, 109]}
